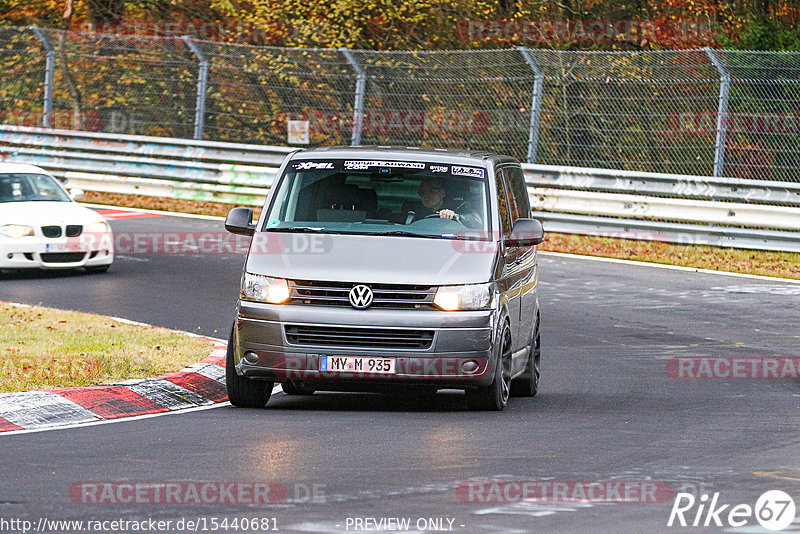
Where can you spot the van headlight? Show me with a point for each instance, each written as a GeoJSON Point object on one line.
{"type": "Point", "coordinates": [261, 288]}
{"type": "Point", "coordinates": [467, 297]}
{"type": "Point", "coordinates": [15, 231]}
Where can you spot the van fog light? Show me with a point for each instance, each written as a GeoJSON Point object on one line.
{"type": "Point", "coordinates": [250, 357]}
{"type": "Point", "coordinates": [469, 366]}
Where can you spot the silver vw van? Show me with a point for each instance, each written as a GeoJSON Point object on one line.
{"type": "Point", "coordinates": [389, 269]}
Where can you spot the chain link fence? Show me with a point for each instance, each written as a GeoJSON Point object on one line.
{"type": "Point", "coordinates": [703, 112]}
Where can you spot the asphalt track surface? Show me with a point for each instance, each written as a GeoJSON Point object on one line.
{"type": "Point", "coordinates": [608, 410]}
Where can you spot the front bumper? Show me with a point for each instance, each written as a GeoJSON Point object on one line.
{"type": "Point", "coordinates": [459, 338]}
{"type": "Point", "coordinates": [37, 252]}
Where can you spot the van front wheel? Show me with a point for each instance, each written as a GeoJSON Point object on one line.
{"type": "Point", "coordinates": [495, 396]}
{"type": "Point", "coordinates": [243, 392]}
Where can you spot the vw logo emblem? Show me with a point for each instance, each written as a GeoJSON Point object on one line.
{"type": "Point", "coordinates": [360, 296]}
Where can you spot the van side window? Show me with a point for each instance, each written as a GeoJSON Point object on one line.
{"type": "Point", "coordinates": [502, 202]}
{"type": "Point", "coordinates": [517, 193]}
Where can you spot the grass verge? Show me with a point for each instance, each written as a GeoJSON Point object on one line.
{"type": "Point", "coordinates": [780, 264]}
{"type": "Point", "coordinates": [43, 348]}
{"type": "Point", "coordinates": [199, 207]}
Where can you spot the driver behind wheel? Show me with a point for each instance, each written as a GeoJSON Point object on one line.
{"type": "Point", "coordinates": [432, 194]}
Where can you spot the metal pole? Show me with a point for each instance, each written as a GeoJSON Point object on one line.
{"type": "Point", "coordinates": [358, 106]}
{"type": "Point", "coordinates": [49, 73]}
{"type": "Point", "coordinates": [722, 111]}
{"type": "Point", "coordinates": [202, 83]}
{"type": "Point", "coordinates": [536, 103]}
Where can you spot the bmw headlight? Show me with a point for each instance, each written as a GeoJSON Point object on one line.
{"type": "Point", "coordinates": [467, 297]}
{"type": "Point", "coordinates": [97, 228]}
{"type": "Point", "coordinates": [261, 288]}
{"type": "Point", "coordinates": [15, 231]}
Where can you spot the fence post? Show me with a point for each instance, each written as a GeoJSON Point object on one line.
{"type": "Point", "coordinates": [49, 73]}
{"type": "Point", "coordinates": [536, 103]}
{"type": "Point", "coordinates": [202, 83]}
{"type": "Point", "coordinates": [722, 111]}
{"type": "Point", "coordinates": [358, 105]}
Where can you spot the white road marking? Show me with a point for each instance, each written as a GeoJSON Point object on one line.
{"type": "Point", "coordinates": [669, 267]}
{"type": "Point", "coordinates": [534, 509]}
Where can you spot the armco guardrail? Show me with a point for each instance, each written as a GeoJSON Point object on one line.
{"type": "Point", "coordinates": [729, 212]}
{"type": "Point", "coordinates": [153, 166]}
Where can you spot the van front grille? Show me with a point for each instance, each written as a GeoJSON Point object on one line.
{"type": "Point", "coordinates": [335, 336]}
{"type": "Point", "coordinates": [385, 295]}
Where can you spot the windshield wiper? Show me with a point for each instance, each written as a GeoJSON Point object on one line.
{"type": "Point", "coordinates": [406, 233]}
{"type": "Point", "coordinates": [298, 229]}
{"type": "Point", "coordinates": [321, 230]}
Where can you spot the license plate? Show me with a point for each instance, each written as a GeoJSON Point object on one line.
{"type": "Point", "coordinates": [357, 364]}
{"type": "Point", "coordinates": [66, 246]}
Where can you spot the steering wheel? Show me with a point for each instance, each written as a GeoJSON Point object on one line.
{"type": "Point", "coordinates": [436, 216]}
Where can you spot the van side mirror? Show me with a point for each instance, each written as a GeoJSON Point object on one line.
{"type": "Point", "coordinates": [239, 221]}
{"type": "Point", "coordinates": [525, 233]}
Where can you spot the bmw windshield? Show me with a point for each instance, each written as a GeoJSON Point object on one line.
{"type": "Point", "coordinates": [391, 197]}
{"type": "Point", "coordinates": [24, 187]}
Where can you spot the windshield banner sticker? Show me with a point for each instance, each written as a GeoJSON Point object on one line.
{"type": "Point", "coordinates": [384, 166]}
{"type": "Point", "coordinates": [364, 165]}
{"type": "Point", "coordinates": [474, 172]}
{"type": "Point", "coordinates": [309, 165]}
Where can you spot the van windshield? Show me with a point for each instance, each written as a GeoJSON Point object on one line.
{"type": "Point", "coordinates": [381, 198]}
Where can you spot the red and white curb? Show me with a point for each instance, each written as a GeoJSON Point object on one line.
{"type": "Point", "coordinates": [126, 214]}
{"type": "Point", "coordinates": [200, 384]}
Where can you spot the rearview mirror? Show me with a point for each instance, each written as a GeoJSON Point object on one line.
{"type": "Point", "coordinates": [525, 233]}
{"type": "Point", "coordinates": [239, 221]}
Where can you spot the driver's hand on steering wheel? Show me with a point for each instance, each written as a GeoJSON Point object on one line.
{"type": "Point", "coordinates": [449, 214]}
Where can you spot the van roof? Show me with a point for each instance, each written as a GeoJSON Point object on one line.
{"type": "Point", "coordinates": [434, 155]}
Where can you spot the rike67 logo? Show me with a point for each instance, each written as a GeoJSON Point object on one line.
{"type": "Point", "coordinates": [774, 510]}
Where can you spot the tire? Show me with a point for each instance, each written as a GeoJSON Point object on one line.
{"type": "Point", "coordinates": [243, 392]}
{"type": "Point", "coordinates": [291, 388]}
{"type": "Point", "coordinates": [527, 384]}
{"type": "Point", "coordinates": [495, 396]}
{"type": "Point", "coordinates": [96, 269]}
